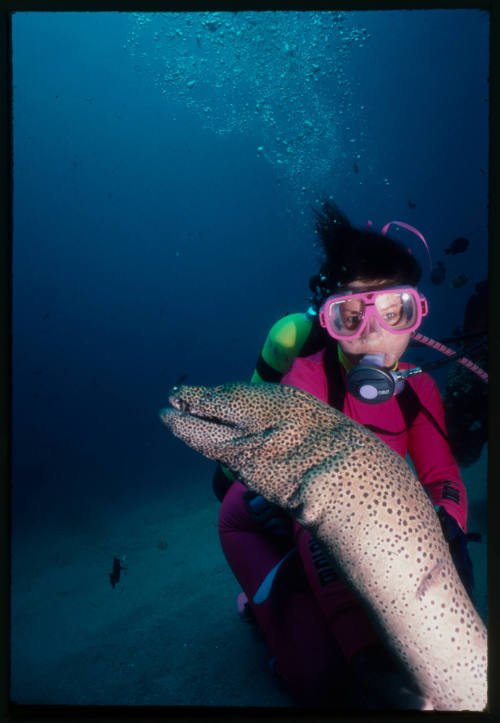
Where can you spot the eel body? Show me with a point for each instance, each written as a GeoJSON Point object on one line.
{"type": "Point", "coordinates": [363, 504]}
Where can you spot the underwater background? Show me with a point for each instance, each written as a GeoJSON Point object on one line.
{"type": "Point", "coordinates": [165, 169]}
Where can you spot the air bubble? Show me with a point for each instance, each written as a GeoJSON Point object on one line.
{"type": "Point", "coordinates": [242, 60]}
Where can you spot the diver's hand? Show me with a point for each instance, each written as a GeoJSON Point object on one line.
{"type": "Point", "coordinates": [268, 515]}
{"type": "Point", "coordinates": [457, 541]}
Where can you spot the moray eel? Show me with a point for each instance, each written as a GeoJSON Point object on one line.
{"type": "Point", "coordinates": [363, 504]}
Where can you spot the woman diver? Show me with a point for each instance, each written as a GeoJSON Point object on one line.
{"type": "Point", "coordinates": [346, 351]}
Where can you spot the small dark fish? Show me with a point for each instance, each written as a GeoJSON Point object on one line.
{"type": "Point", "coordinates": [458, 281]}
{"type": "Point", "coordinates": [457, 246]}
{"type": "Point", "coordinates": [482, 288]}
{"type": "Point", "coordinates": [438, 273]}
{"type": "Point", "coordinates": [411, 204]}
{"type": "Point", "coordinates": [114, 576]}
{"type": "Point", "coordinates": [355, 167]}
{"type": "Point", "coordinates": [181, 380]}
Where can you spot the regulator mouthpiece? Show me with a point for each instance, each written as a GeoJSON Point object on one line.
{"type": "Point", "coordinates": [369, 382]}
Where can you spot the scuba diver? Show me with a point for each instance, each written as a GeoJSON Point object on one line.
{"type": "Point", "coordinates": [346, 351]}
{"type": "Point", "coordinates": [466, 397]}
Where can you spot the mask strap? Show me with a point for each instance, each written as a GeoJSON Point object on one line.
{"type": "Point", "coordinates": [413, 230]}
{"type": "Point", "coordinates": [407, 226]}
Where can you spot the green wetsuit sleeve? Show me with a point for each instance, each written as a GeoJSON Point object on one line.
{"type": "Point", "coordinates": [283, 343]}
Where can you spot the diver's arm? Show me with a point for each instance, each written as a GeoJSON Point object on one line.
{"type": "Point", "coordinates": [282, 345]}
{"type": "Point", "coordinates": [440, 476]}
{"type": "Point", "coordinates": [430, 452]}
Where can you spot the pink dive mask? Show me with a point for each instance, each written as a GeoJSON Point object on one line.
{"type": "Point", "coordinates": [397, 309]}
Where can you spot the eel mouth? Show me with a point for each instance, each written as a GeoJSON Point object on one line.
{"type": "Point", "coordinates": [189, 410]}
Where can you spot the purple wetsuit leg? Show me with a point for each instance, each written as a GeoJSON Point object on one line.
{"type": "Point", "coordinates": [347, 621]}
{"type": "Point", "coordinates": [308, 660]}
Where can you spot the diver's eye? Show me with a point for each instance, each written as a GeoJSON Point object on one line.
{"type": "Point", "coordinates": [393, 318]}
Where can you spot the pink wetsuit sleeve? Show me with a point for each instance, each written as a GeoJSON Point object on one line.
{"type": "Point", "coordinates": [430, 453]}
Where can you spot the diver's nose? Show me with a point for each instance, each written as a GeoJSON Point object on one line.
{"type": "Point", "coordinates": [372, 327]}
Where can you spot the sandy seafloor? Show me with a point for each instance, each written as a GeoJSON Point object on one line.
{"type": "Point", "coordinates": [168, 633]}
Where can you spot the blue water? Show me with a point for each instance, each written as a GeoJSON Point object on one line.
{"type": "Point", "coordinates": [164, 171]}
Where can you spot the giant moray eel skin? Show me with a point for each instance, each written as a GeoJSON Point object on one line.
{"type": "Point", "coordinates": [363, 504]}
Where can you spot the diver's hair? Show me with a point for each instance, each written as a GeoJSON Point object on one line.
{"type": "Point", "coordinates": [352, 253]}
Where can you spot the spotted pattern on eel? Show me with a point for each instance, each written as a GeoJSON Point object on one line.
{"type": "Point", "coordinates": [363, 504]}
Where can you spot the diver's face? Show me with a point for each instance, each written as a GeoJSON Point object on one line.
{"type": "Point", "coordinates": [374, 339]}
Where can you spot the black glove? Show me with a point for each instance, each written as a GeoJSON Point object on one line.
{"type": "Point", "coordinates": [457, 541]}
{"type": "Point", "coordinates": [220, 483]}
{"type": "Point", "coordinates": [268, 515]}
{"type": "Point", "coordinates": [379, 683]}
